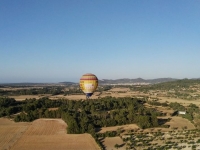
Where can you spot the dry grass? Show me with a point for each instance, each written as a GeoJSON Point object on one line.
{"type": "Point", "coordinates": [178, 100]}
{"type": "Point", "coordinates": [119, 90]}
{"type": "Point", "coordinates": [23, 97]}
{"type": "Point", "coordinates": [122, 127]}
{"type": "Point", "coordinates": [42, 134]}
{"type": "Point", "coordinates": [52, 109]}
{"type": "Point", "coordinates": [110, 142]}
{"type": "Point", "coordinates": [10, 132]}
{"type": "Point", "coordinates": [179, 123]}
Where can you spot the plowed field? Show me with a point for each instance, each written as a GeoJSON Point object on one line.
{"type": "Point", "coordinates": [44, 134]}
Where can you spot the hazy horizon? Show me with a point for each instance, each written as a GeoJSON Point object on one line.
{"type": "Point", "coordinates": [55, 41]}
{"type": "Point", "coordinates": [77, 81]}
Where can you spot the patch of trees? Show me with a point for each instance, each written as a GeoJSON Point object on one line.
{"type": "Point", "coordinates": [55, 90]}
{"type": "Point", "coordinates": [104, 88]}
{"type": "Point", "coordinates": [108, 134]}
{"type": "Point", "coordinates": [33, 91]}
{"type": "Point", "coordinates": [86, 116]}
{"type": "Point", "coordinates": [9, 106]}
{"type": "Point", "coordinates": [156, 103]}
{"type": "Point", "coordinates": [6, 102]}
{"type": "Point", "coordinates": [73, 91]}
{"type": "Point", "coordinates": [177, 106]}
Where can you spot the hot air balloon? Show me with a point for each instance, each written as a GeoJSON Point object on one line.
{"type": "Point", "coordinates": [88, 84]}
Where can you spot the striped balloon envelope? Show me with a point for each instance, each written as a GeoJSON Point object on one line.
{"type": "Point", "coordinates": [88, 84]}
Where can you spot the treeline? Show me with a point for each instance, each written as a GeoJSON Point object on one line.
{"type": "Point", "coordinates": [33, 91]}
{"type": "Point", "coordinates": [156, 103]}
{"type": "Point", "coordinates": [54, 90]}
{"type": "Point", "coordinates": [9, 106]}
{"type": "Point", "coordinates": [88, 115]}
{"type": "Point", "coordinates": [39, 91]}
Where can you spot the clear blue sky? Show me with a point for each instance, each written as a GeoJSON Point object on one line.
{"type": "Point", "coordinates": [55, 41]}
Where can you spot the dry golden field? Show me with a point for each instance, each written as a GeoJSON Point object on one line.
{"type": "Point", "coordinates": [23, 97]}
{"type": "Point", "coordinates": [110, 142]}
{"type": "Point", "coordinates": [42, 134]}
{"type": "Point", "coordinates": [10, 132]}
{"type": "Point", "coordinates": [122, 127]}
{"type": "Point", "coordinates": [175, 122]}
{"type": "Point", "coordinates": [181, 101]}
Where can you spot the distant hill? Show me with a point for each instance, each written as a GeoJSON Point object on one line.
{"type": "Point", "coordinates": [67, 83]}
{"type": "Point", "coordinates": [23, 84]}
{"type": "Point", "coordinates": [37, 84]}
{"type": "Point", "coordinates": [136, 81]}
{"type": "Point", "coordinates": [123, 81]}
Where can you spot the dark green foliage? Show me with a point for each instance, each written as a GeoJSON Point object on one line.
{"type": "Point", "coordinates": [54, 90]}
{"type": "Point", "coordinates": [157, 103]}
{"type": "Point", "coordinates": [188, 116]}
{"type": "Point", "coordinates": [107, 134]}
{"type": "Point", "coordinates": [86, 116]}
{"type": "Point", "coordinates": [9, 106]}
{"type": "Point", "coordinates": [6, 101]}
{"type": "Point", "coordinates": [177, 106]}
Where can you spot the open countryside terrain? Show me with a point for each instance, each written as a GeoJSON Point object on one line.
{"type": "Point", "coordinates": [177, 131]}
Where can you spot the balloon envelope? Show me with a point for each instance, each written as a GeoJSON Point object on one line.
{"type": "Point", "coordinates": [88, 84]}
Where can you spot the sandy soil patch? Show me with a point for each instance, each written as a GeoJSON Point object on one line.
{"type": "Point", "coordinates": [126, 94]}
{"type": "Point", "coordinates": [122, 127]}
{"type": "Point", "coordinates": [181, 101]}
{"type": "Point", "coordinates": [50, 134]}
{"type": "Point", "coordinates": [23, 97]}
{"type": "Point", "coordinates": [179, 122]}
{"type": "Point", "coordinates": [119, 90]}
{"type": "Point", "coordinates": [110, 142]}
{"type": "Point", "coordinates": [53, 109]}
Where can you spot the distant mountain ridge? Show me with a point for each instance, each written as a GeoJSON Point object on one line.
{"type": "Point", "coordinates": [136, 81]}
{"type": "Point", "coordinates": [123, 81]}
{"type": "Point", "coordinates": [38, 84]}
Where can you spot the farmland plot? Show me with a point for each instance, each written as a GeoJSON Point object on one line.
{"type": "Point", "coordinates": [110, 143]}
{"type": "Point", "coordinates": [10, 132]}
{"type": "Point", "coordinates": [50, 134]}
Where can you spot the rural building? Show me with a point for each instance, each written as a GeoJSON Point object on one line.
{"type": "Point", "coordinates": [178, 113]}
{"type": "Point", "coordinates": [181, 112]}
